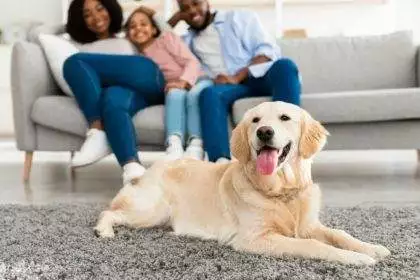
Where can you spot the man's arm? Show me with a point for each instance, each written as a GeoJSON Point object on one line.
{"type": "Point", "coordinates": [244, 72]}
{"type": "Point", "coordinates": [256, 40]}
{"type": "Point", "coordinates": [166, 25]}
{"type": "Point", "coordinates": [176, 18]}
{"type": "Point", "coordinates": [171, 23]}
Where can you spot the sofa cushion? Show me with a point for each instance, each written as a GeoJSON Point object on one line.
{"type": "Point", "coordinates": [354, 63]}
{"type": "Point", "coordinates": [351, 106]}
{"type": "Point", "coordinates": [60, 113]}
{"type": "Point", "coordinates": [63, 114]}
{"type": "Point", "coordinates": [150, 125]}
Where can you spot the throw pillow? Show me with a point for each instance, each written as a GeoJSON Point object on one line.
{"type": "Point", "coordinates": [57, 50]}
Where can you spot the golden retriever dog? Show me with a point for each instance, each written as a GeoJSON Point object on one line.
{"type": "Point", "coordinates": [264, 202]}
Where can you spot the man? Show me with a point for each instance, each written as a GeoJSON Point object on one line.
{"type": "Point", "coordinates": [242, 59]}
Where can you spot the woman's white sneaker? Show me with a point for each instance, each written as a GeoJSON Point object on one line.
{"type": "Point", "coordinates": [93, 149]}
{"type": "Point", "coordinates": [132, 171]}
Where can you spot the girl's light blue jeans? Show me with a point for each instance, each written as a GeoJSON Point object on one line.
{"type": "Point", "coordinates": [182, 111]}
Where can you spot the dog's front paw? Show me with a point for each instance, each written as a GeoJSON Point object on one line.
{"type": "Point", "coordinates": [355, 258]}
{"type": "Point", "coordinates": [377, 252]}
{"type": "Point", "coordinates": [103, 232]}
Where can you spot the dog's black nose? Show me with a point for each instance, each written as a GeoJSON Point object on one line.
{"type": "Point", "coordinates": [265, 133]}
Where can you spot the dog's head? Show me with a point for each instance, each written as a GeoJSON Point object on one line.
{"type": "Point", "coordinates": [273, 133]}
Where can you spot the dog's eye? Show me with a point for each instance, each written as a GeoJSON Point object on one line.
{"type": "Point", "coordinates": [284, 118]}
{"type": "Point", "coordinates": [256, 119]}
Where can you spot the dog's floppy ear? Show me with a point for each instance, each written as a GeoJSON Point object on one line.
{"type": "Point", "coordinates": [313, 136]}
{"type": "Point", "coordinates": [239, 143]}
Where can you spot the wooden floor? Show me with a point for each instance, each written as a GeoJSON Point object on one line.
{"type": "Point", "coordinates": [347, 178]}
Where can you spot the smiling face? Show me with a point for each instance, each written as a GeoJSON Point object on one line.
{"type": "Point", "coordinates": [273, 133]}
{"type": "Point", "coordinates": [140, 29]}
{"type": "Point", "coordinates": [197, 13]}
{"type": "Point", "coordinates": [96, 17]}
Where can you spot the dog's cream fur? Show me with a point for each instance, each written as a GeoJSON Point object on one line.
{"type": "Point", "coordinates": [266, 214]}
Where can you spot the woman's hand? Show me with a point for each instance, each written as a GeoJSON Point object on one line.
{"type": "Point", "coordinates": [180, 84]}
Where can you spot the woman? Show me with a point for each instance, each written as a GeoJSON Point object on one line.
{"type": "Point", "coordinates": [90, 21]}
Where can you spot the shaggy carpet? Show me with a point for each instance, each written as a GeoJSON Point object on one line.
{"type": "Point", "coordinates": [57, 242]}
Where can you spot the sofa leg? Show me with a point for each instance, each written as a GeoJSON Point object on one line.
{"type": "Point", "coordinates": [72, 169]}
{"type": "Point", "coordinates": [27, 166]}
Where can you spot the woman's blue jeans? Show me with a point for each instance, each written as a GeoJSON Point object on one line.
{"type": "Point", "coordinates": [113, 88]}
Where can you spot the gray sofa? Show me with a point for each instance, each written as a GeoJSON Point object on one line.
{"type": "Point", "coordinates": [364, 89]}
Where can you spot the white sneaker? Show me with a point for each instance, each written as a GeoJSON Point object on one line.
{"type": "Point", "coordinates": [174, 150]}
{"type": "Point", "coordinates": [195, 149]}
{"type": "Point", "coordinates": [94, 148]}
{"type": "Point", "coordinates": [222, 160]}
{"type": "Point", "coordinates": [131, 171]}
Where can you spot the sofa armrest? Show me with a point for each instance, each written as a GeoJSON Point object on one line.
{"type": "Point", "coordinates": [34, 32]}
{"type": "Point", "coordinates": [30, 79]}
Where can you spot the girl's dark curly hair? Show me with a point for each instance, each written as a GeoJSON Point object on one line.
{"type": "Point", "coordinates": [76, 25]}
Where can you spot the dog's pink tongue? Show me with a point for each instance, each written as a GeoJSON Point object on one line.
{"type": "Point", "coordinates": [267, 162]}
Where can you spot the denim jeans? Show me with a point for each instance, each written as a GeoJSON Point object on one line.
{"type": "Point", "coordinates": [113, 88]}
{"type": "Point", "coordinates": [182, 111]}
{"type": "Point", "coordinates": [281, 82]}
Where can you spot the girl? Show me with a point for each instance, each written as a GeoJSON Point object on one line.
{"type": "Point", "coordinates": [181, 70]}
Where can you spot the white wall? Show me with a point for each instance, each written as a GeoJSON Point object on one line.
{"type": "Point", "coordinates": [358, 18]}
{"type": "Point", "coordinates": [326, 19]}
{"type": "Point", "coordinates": [339, 19]}
{"type": "Point", "coordinates": [407, 16]}
{"type": "Point", "coordinates": [268, 19]}
{"type": "Point", "coordinates": [318, 20]}
{"type": "Point", "coordinates": [6, 119]}
{"type": "Point", "coordinates": [17, 11]}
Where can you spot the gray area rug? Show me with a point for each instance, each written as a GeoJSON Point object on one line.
{"type": "Point", "coordinates": [57, 242]}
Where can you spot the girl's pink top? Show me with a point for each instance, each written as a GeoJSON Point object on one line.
{"type": "Point", "coordinates": [174, 58]}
